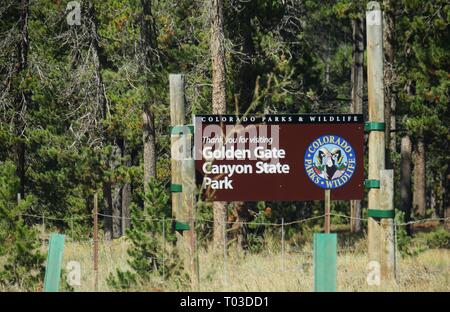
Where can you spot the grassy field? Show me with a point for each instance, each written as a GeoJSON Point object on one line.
{"type": "Point", "coordinates": [270, 270]}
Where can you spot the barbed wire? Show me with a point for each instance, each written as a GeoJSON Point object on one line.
{"type": "Point", "coordinates": [423, 220]}
{"type": "Point", "coordinates": [397, 224]}
{"type": "Point", "coordinates": [170, 219]}
{"type": "Point", "coordinates": [348, 217]}
{"type": "Point", "coordinates": [149, 218]}
{"type": "Point", "coordinates": [79, 217]}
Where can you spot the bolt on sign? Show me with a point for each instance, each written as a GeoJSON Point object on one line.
{"type": "Point", "coordinates": [279, 157]}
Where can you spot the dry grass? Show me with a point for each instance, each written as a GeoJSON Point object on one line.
{"type": "Point", "coordinates": [269, 271]}
{"type": "Point", "coordinates": [112, 256]}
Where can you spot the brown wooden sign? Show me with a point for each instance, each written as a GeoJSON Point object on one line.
{"type": "Point", "coordinates": [279, 157]}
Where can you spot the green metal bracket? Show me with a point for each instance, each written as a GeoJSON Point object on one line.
{"type": "Point", "coordinates": [381, 214]}
{"type": "Point", "coordinates": [180, 129]}
{"type": "Point", "coordinates": [325, 269]}
{"type": "Point", "coordinates": [368, 184]}
{"type": "Point", "coordinates": [374, 126]}
{"type": "Point", "coordinates": [176, 188]}
{"type": "Point", "coordinates": [54, 259]}
{"type": "Point", "coordinates": [181, 226]}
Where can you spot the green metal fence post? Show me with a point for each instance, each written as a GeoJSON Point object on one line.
{"type": "Point", "coordinates": [325, 262]}
{"type": "Point", "coordinates": [54, 261]}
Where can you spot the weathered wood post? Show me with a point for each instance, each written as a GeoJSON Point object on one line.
{"type": "Point", "coordinates": [380, 211]}
{"type": "Point", "coordinates": [188, 214]}
{"type": "Point", "coordinates": [405, 179]}
{"type": "Point", "coordinates": [357, 78]}
{"type": "Point", "coordinates": [327, 225]}
{"type": "Point", "coordinates": [183, 178]}
{"type": "Point", "coordinates": [177, 118]}
{"type": "Point", "coordinates": [387, 224]}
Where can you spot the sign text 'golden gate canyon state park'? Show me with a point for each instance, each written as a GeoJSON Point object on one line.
{"type": "Point", "coordinates": [279, 157]}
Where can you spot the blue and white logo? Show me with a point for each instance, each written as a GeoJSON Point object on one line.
{"type": "Point", "coordinates": [330, 161]}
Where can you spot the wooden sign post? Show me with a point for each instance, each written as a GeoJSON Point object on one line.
{"type": "Point", "coordinates": [386, 215]}
{"type": "Point", "coordinates": [379, 210]}
{"type": "Point", "coordinates": [183, 186]}
{"type": "Point", "coordinates": [327, 225]}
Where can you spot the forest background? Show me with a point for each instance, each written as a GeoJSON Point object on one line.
{"type": "Point", "coordinates": [84, 105]}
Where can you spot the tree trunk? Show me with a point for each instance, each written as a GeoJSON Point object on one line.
{"type": "Point", "coordinates": [218, 102]}
{"type": "Point", "coordinates": [112, 197]}
{"type": "Point", "coordinates": [244, 85]}
{"type": "Point", "coordinates": [357, 80]}
{"type": "Point", "coordinates": [107, 210]}
{"type": "Point", "coordinates": [389, 80]}
{"type": "Point", "coordinates": [110, 200]}
{"type": "Point", "coordinates": [405, 179]}
{"type": "Point", "coordinates": [94, 45]}
{"type": "Point", "coordinates": [218, 58]}
{"type": "Point", "coordinates": [446, 199]}
{"type": "Point", "coordinates": [419, 200]}
{"type": "Point", "coordinates": [126, 191]}
{"type": "Point", "coordinates": [148, 138]}
{"type": "Point", "coordinates": [116, 193]}
{"type": "Point", "coordinates": [148, 48]}
{"type": "Point", "coordinates": [23, 98]}
{"type": "Point", "coordinates": [432, 196]}
{"type": "Point", "coordinates": [327, 60]}
{"type": "Point", "coordinates": [126, 212]}
{"type": "Point", "coordinates": [241, 214]}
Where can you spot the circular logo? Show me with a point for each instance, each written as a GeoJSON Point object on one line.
{"type": "Point", "coordinates": [330, 161]}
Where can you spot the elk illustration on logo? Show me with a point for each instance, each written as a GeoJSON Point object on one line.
{"type": "Point", "coordinates": [330, 161]}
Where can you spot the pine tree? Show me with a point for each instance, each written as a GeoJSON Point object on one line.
{"type": "Point", "coordinates": [18, 241]}
{"type": "Point", "coordinates": [422, 33]}
{"type": "Point", "coordinates": [150, 254]}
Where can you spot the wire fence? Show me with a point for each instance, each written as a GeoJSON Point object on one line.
{"type": "Point", "coordinates": [282, 258]}
{"type": "Point", "coordinates": [84, 217]}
